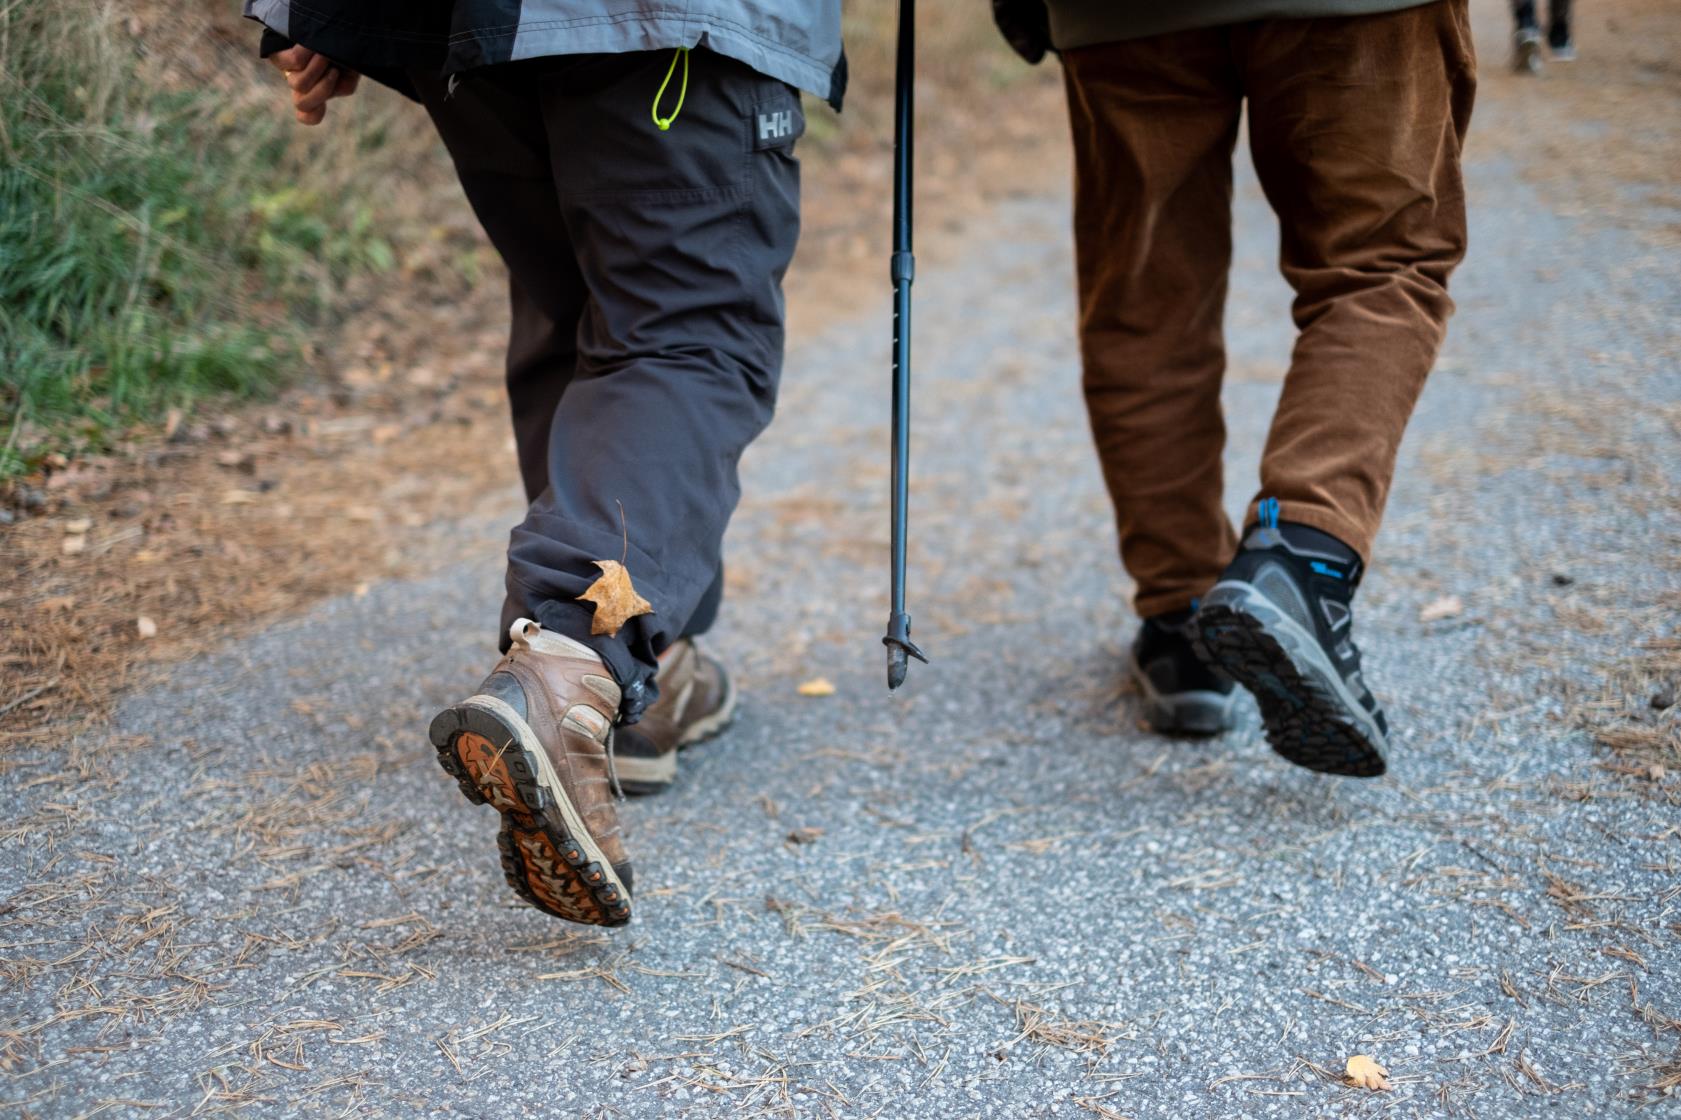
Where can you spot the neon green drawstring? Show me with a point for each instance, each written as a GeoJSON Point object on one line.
{"type": "Point", "coordinates": [682, 91]}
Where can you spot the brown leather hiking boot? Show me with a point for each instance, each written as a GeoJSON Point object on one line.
{"type": "Point", "coordinates": [533, 742]}
{"type": "Point", "coordinates": [697, 701]}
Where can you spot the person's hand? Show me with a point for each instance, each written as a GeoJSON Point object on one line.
{"type": "Point", "coordinates": [315, 80]}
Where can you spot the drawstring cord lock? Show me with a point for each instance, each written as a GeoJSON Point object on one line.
{"type": "Point", "coordinates": [664, 123]}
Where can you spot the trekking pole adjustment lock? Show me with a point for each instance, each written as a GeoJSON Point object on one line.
{"type": "Point", "coordinates": [903, 267]}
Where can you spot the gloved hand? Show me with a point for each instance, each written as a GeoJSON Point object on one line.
{"type": "Point", "coordinates": [1026, 26]}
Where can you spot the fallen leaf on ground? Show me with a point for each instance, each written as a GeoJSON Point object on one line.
{"type": "Point", "coordinates": [79, 526]}
{"type": "Point", "coordinates": [146, 627]}
{"type": "Point", "coordinates": [1364, 1073]}
{"type": "Point", "coordinates": [616, 601]}
{"type": "Point", "coordinates": [806, 835]}
{"type": "Point", "coordinates": [238, 497]}
{"type": "Point", "coordinates": [817, 686]}
{"type": "Point", "coordinates": [58, 603]}
{"type": "Point", "coordinates": [72, 545]}
{"type": "Point", "coordinates": [1448, 606]}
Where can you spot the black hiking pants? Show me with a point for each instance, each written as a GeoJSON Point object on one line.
{"type": "Point", "coordinates": [646, 283]}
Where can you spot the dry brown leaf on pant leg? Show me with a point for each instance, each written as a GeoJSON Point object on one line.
{"type": "Point", "coordinates": [615, 598]}
{"type": "Point", "coordinates": [1364, 1073]}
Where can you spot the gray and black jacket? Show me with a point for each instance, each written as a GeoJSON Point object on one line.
{"type": "Point", "coordinates": [790, 40]}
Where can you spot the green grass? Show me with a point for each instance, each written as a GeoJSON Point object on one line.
{"type": "Point", "coordinates": [168, 234]}
{"type": "Point", "coordinates": [160, 240]}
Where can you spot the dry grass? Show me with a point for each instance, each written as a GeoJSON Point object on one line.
{"type": "Point", "coordinates": [1635, 710]}
{"type": "Point", "coordinates": [1090, 1037]}
{"type": "Point", "coordinates": [1636, 715]}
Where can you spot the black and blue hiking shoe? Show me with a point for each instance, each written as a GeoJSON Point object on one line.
{"type": "Point", "coordinates": [1279, 623]}
{"type": "Point", "coordinates": [1182, 696]}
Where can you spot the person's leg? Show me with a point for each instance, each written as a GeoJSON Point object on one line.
{"type": "Point", "coordinates": [1526, 37]}
{"type": "Point", "coordinates": [1154, 124]}
{"type": "Point", "coordinates": [493, 127]}
{"type": "Point", "coordinates": [683, 237]}
{"type": "Point", "coordinates": [706, 611]}
{"type": "Point", "coordinates": [492, 124]}
{"type": "Point", "coordinates": [1356, 125]}
{"type": "Point", "coordinates": [533, 740]}
{"type": "Point", "coordinates": [542, 357]}
{"type": "Point", "coordinates": [1559, 40]}
{"type": "Point", "coordinates": [678, 347]}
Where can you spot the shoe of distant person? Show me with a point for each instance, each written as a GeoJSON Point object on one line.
{"type": "Point", "coordinates": [1280, 622]}
{"type": "Point", "coordinates": [1181, 694]}
{"type": "Point", "coordinates": [535, 741]}
{"type": "Point", "coordinates": [1526, 50]}
{"type": "Point", "coordinates": [697, 701]}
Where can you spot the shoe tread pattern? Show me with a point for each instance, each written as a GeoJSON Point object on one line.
{"type": "Point", "coordinates": [1306, 722]}
{"type": "Point", "coordinates": [541, 860]}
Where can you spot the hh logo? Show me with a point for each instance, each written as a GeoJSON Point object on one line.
{"type": "Point", "coordinates": [776, 126]}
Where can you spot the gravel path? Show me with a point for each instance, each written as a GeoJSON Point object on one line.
{"type": "Point", "coordinates": [991, 895]}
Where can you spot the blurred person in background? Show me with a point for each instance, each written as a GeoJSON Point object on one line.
{"type": "Point", "coordinates": [634, 167]}
{"type": "Point", "coordinates": [1526, 37]}
{"type": "Point", "coordinates": [1357, 110]}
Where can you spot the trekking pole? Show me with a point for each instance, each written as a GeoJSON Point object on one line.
{"type": "Point", "coordinates": [900, 648]}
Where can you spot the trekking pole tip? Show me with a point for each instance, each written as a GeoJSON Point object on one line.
{"type": "Point", "coordinates": [897, 664]}
{"type": "Point", "coordinates": [900, 649]}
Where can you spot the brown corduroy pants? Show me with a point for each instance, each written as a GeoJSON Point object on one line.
{"type": "Point", "coordinates": [1355, 126]}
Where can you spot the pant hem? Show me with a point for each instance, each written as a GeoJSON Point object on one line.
{"type": "Point", "coordinates": [635, 678]}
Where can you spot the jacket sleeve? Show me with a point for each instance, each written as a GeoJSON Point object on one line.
{"type": "Point", "coordinates": [1026, 25]}
{"type": "Point", "coordinates": [273, 41]}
